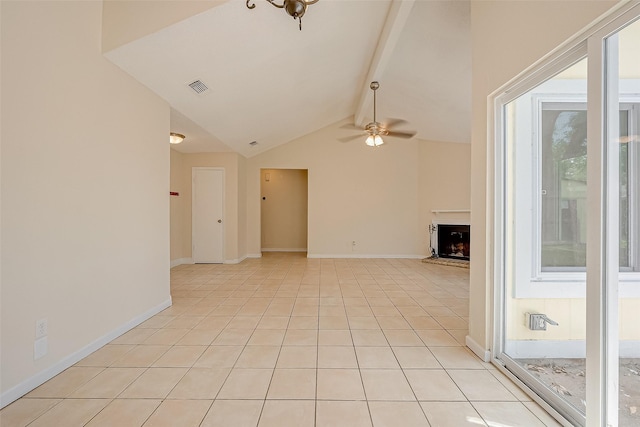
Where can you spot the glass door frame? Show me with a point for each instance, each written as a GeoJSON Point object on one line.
{"type": "Point", "coordinates": [599, 44]}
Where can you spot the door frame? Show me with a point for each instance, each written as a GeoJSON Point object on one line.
{"type": "Point", "coordinates": [260, 183]}
{"type": "Point", "coordinates": [602, 266]}
{"type": "Point", "coordinates": [195, 169]}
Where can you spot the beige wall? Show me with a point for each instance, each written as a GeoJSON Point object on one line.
{"type": "Point", "coordinates": [381, 198]}
{"type": "Point", "coordinates": [182, 165]}
{"type": "Point", "coordinates": [126, 21]}
{"type": "Point", "coordinates": [242, 207]}
{"type": "Point", "coordinates": [283, 209]}
{"type": "Point", "coordinates": [85, 209]}
{"type": "Point", "coordinates": [445, 184]}
{"type": "Point", "coordinates": [356, 193]}
{"type": "Point", "coordinates": [180, 247]}
{"type": "Point", "coordinates": [506, 37]}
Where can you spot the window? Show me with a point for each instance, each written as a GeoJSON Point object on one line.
{"type": "Point", "coordinates": [546, 157]}
{"type": "Point", "coordinates": [563, 182]}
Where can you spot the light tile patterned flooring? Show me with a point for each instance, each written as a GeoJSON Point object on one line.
{"type": "Point", "coordinates": [290, 341]}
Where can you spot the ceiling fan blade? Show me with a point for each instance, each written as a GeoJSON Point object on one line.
{"type": "Point", "coordinates": [350, 138]}
{"type": "Point", "coordinates": [402, 134]}
{"type": "Point", "coordinates": [389, 123]}
{"type": "Point", "coordinates": [351, 126]}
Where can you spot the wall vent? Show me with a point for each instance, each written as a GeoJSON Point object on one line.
{"type": "Point", "coordinates": [198, 86]}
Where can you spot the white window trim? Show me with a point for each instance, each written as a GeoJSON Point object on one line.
{"type": "Point", "coordinates": [570, 284]}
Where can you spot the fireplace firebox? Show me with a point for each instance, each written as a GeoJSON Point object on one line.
{"type": "Point", "coordinates": [453, 241]}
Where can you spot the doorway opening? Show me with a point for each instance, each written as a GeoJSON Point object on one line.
{"type": "Point", "coordinates": [283, 210]}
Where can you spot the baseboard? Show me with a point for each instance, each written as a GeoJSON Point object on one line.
{"type": "Point", "coordinates": [284, 249]}
{"type": "Point", "coordinates": [180, 261]}
{"type": "Point", "coordinates": [239, 260]}
{"type": "Point", "coordinates": [31, 383]}
{"type": "Point", "coordinates": [258, 255]}
{"type": "Point", "coordinates": [235, 261]}
{"type": "Point", "coordinates": [480, 351]}
{"type": "Point", "coordinates": [365, 256]}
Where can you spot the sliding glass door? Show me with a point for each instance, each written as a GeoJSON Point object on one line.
{"type": "Point", "coordinates": [545, 201]}
{"type": "Point", "coordinates": [622, 93]}
{"type": "Point", "coordinates": [567, 227]}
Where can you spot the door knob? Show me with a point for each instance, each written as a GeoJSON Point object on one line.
{"type": "Point", "coordinates": [219, 221]}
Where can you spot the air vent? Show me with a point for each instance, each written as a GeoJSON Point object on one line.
{"type": "Point", "coordinates": [198, 87]}
{"type": "Point", "coordinates": [253, 143]}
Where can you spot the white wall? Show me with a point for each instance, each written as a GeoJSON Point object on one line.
{"type": "Point", "coordinates": [85, 207]}
{"type": "Point", "coordinates": [181, 169]}
{"type": "Point", "coordinates": [283, 209]}
{"type": "Point", "coordinates": [445, 184]}
{"type": "Point", "coordinates": [356, 193]}
{"type": "Point", "coordinates": [180, 251]}
{"type": "Point", "coordinates": [125, 21]}
{"type": "Point", "coordinates": [380, 197]}
{"type": "Point", "coordinates": [507, 37]}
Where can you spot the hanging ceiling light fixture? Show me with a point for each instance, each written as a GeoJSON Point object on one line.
{"type": "Point", "coordinates": [295, 8]}
{"type": "Point", "coordinates": [176, 138]}
{"type": "Point", "coordinates": [374, 139]}
{"type": "Point", "coordinates": [376, 130]}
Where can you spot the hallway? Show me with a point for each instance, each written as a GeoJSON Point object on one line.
{"type": "Point", "coordinates": [290, 341]}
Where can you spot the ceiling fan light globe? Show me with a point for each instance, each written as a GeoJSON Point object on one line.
{"type": "Point", "coordinates": [374, 140]}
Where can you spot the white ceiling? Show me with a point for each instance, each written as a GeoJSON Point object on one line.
{"type": "Point", "coordinates": [271, 83]}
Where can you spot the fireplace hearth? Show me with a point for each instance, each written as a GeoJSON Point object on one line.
{"type": "Point", "coordinates": [452, 241]}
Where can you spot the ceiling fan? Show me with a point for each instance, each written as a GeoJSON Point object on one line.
{"type": "Point", "coordinates": [375, 130]}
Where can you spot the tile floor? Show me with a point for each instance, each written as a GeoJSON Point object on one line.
{"type": "Point", "coordinates": [290, 341]}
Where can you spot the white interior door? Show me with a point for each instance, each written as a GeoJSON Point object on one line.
{"type": "Point", "coordinates": [207, 215]}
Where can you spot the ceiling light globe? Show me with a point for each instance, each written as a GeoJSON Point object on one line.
{"type": "Point", "coordinates": [374, 141]}
{"type": "Point", "coordinates": [176, 138]}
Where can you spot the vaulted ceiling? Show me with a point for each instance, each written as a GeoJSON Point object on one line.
{"type": "Point", "coordinates": [272, 83]}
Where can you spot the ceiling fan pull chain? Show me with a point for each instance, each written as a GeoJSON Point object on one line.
{"type": "Point", "coordinates": [300, 20]}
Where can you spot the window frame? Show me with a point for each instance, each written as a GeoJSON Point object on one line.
{"type": "Point", "coordinates": [571, 282]}
{"type": "Point", "coordinates": [558, 102]}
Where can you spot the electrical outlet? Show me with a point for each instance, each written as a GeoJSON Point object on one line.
{"type": "Point", "coordinates": [538, 321]}
{"type": "Point", "coordinates": [42, 328]}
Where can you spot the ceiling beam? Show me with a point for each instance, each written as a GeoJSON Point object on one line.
{"type": "Point", "coordinates": [397, 17]}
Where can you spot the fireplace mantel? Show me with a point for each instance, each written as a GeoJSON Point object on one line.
{"type": "Point", "coordinates": [438, 211]}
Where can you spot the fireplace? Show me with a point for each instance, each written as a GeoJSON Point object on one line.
{"type": "Point", "coordinates": [452, 241]}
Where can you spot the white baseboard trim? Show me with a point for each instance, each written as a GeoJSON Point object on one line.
{"type": "Point", "coordinates": [180, 261]}
{"type": "Point", "coordinates": [562, 349]}
{"type": "Point", "coordinates": [284, 249]}
{"type": "Point", "coordinates": [41, 377]}
{"type": "Point", "coordinates": [235, 261]}
{"type": "Point", "coordinates": [480, 351]}
{"type": "Point", "coordinates": [258, 255]}
{"type": "Point", "coordinates": [365, 256]}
